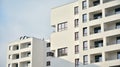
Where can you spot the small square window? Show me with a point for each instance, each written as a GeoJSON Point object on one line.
{"type": "Point", "coordinates": [48, 63]}
{"type": "Point", "coordinates": [48, 45]}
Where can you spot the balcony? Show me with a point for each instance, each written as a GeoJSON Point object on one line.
{"type": "Point", "coordinates": [112, 10]}
{"type": "Point", "coordinates": [94, 3]}
{"type": "Point", "coordinates": [25, 54]}
{"type": "Point", "coordinates": [95, 29]}
{"type": "Point", "coordinates": [95, 15]}
{"type": "Point", "coordinates": [25, 45]}
{"type": "Point", "coordinates": [15, 65]}
{"type": "Point", "coordinates": [106, 1]}
{"type": "Point", "coordinates": [112, 40]}
{"type": "Point", "coordinates": [112, 25]}
{"type": "Point", "coordinates": [15, 56]}
{"type": "Point", "coordinates": [96, 43]}
{"type": "Point", "coordinates": [16, 47]}
{"type": "Point", "coordinates": [96, 58]}
{"type": "Point", "coordinates": [112, 55]}
{"type": "Point", "coordinates": [25, 64]}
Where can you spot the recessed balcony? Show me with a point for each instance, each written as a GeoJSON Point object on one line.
{"type": "Point", "coordinates": [25, 54]}
{"type": "Point", "coordinates": [112, 55]}
{"type": "Point", "coordinates": [112, 10]}
{"type": "Point", "coordinates": [113, 40]}
{"type": "Point", "coordinates": [15, 65]}
{"type": "Point", "coordinates": [25, 45]}
{"type": "Point", "coordinates": [96, 43]}
{"type": "Point", "coordinates": [25, 64]}
{"type": "Point", "coordinates": [94, 3]}
{"type": "Point", "coordinates": [112, 25]}
{"type": "Point", "coordinates": [95, 58]}
{"type": "Point", "coordinates": [106, 1]}
{"type": "Point", "coordinates": [95, 15]}
{"type": "Point", "coordinates": [15, 56]}
{"type": "Point", "coordinates": [95, 29]}
{"type": "Point", "coordinates": [16, 47]}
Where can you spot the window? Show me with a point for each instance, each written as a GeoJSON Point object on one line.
{"type": "Point", "coordinates": [48, 63]}
{"type": "Point", "coordinates": [50, 54]}
{"type": "Point", "coordinates": [77, 62]}
{"type": "Point", "coordinates": [97, 29]}
{"type": "Point", "coordinates": [85, 46]}
{"type": "Point", "coordinates": [117, 10]}
{"type": "Point", "coordinates": [10, 56]}
{"type": "Point", "coordinates": [118, 40]}
{"type": "Point", "coordinates": [98, 16]}
{"type": "Point", "coordinates": [62, 26]}
{"type": "Point", "coordinates": [76, 22]}
{"type": "Point", "coordinates": [76, 11]}
{"type": "Point", "coordinates": [17, 56]}
{"type": "Point", "coordinates": [98, 43]}
{"type": "Point", "coordinates": [62, 52]}
{"type": "Point", "coordinates": [85, 31]}
{"type": "Point", "coordinates": [76, 49]}
{"type": "Point", "coordinates": [48, 44]}
{"type": "Point", "coordinates": [10, 47]}
{"type": "Point", "coordinates": [118, 55]}
{"type": "Point", "coordinates": [98, 58]}
{"type": "Point", "coordinates": [85, 59]}
{"type": "Point", "coordinates": [84, 4]}
{"type": "Point", "coordinates": [84, 17]}
{"type": "Point", "coordinates": [9, 65]}
{"type": "Point", "coordinates": [16, 65]}
{"type": "Point", "coordinates": [118, 25]}
{"type": "Point", "coordinates": [76, 35]}
{"type": "Point", "coordinates": [97, 2]}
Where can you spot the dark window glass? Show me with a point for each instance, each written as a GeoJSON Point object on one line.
{"type": "Point", "coordinates": [97, 29]}
{"type": "Point", "coordinates": [98, 58]}
{"type": "Point", "coordinates": [48, 63]}
{"type": "Point", "coordinates": [98, 15]}
{"type": "Point", "coordinates": [98, 43]}
{"type": "Point", "coordinates": [118, 40]}
{"type": "Point", "coordinates": [50, 54]}
{"type": "Point", "coordinates": [62, 52]}
{"type": "Point", "coordinates": [117, 10]}
{"type": "Point", "coordinates": [118, 25]}
{"type": "Point", "coordinates": [97, 2]}
{"type": "Point", "coordinates": [48, 44]}
{"type": "Point", "coordinates": [118, 55]}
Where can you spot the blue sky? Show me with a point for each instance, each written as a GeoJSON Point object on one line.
{"type": "Point", "coordinates": [24, 17]}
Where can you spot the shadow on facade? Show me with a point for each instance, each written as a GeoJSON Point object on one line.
{"type": "Point", "coordinates": [58, 62]}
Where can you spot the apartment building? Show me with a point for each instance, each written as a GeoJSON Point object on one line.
{"type": "Point", "coordinates": [86, 34]}
{"type": "Point", "coordinates": [28, 52]}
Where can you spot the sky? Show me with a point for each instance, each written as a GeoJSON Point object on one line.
{"type": "Point", "coordinates": [24, 17]}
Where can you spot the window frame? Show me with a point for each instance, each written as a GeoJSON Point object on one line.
{"type": "Point", "coordinates": [85, 59]}
{"type": "Point", "coordinates": [85, 45]}
{"type": "Point", "coordinates": [84, 18]}
{"type": "Point", "coordinates": [76, 49]}
{"type": "Point", "coordinates": [76, 34]}
{"type": "Point", "coordinates": [62, 51]}
{"type": "Point", "coordinates": [77, 62]}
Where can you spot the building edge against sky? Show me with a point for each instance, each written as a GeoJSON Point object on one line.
{"type": "Point", "coordinates": [83, 37]}
{"type": "Point", "coordinates": [83, 34]}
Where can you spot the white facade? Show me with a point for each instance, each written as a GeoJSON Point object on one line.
{"type": "Point", "coordinates": [28, 52]}
{"type": "Point", "coordinates": [86, 34]}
